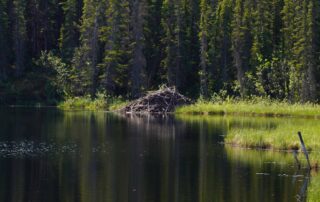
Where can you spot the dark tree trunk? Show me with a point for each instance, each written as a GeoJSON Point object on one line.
{"type": "Point", "coordinates": [138, 61]}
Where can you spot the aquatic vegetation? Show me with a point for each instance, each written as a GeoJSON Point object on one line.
{"type": "Point", "coordinates": [313, 194]}
{"type": "Point", "coordinates": [276, 133]}
{"type": "Point", "coordinates": [101, 102]}
{"type": "Point", "coordinates": [252, 107]}
{"type": "Point", "coordinates": [116, 103]}
{"type": "Point", "coordinates": [83, 103]}
{"type": "Point", "coordinates": [264, 132]}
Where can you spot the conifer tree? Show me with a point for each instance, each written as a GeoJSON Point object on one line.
{"type": "Point", "coordinates": [42, 26]}
{"type": "Point", "coordinates": [266, 48]}
{"type": "Point", "coordinates": [238, 47]}
{"type": "Point", "coordinates": [263, 22]}
{"type": "Point", "coordinates": [238, 43]}
{"type": "Point", "coordinates": [138, 62]}
{"type": "Point", "coordinates": [153, 46]}
{"type": "Point", "coordinates": [4, 39]}
{"type": "Point", "coordinates": [299, 45]}
{"type": "Point", "coordinates": [117, 52]}
{"type": "Point", "coordinates": [221, 60]}
{"type": "Point", "coordinates": [69, 32]}
{"type": "Point", "coordinates": [86, 58]}
{"type": "Point", "coordinates": [289, 30]}
{"type": "Point", "coordinates": [171, 23]}
{"type": "Point", "coordinates": [309, 53]}
{"type": "Point", "coordinates": [203, 36]}
{"type": "Point", "coordinates": [189, 47]}
{"type": "Point", "coordinates": [19, 36]}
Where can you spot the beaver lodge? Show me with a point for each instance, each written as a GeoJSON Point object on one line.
{"type": "Point", "coordinates": [161, 101]}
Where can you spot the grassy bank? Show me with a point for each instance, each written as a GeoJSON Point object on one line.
{"type": "Point", "coordinates": [270, 133]}
{"type": "Point", "coordinates": [276, 134]}
{"type": "Point", "coordinates": [254, 107]}
{"type": "Point", "coordinates": [101, 102]}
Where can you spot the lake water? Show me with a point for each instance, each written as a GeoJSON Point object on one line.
{"type": "Point", "coordinates": [51, 155]}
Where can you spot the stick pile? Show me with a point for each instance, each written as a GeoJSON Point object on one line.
{"type": "Point", "coordinates": [161, 101]}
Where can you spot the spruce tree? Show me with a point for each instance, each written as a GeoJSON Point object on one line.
{"type": "Point", "coordinates": [203, 36]}
{"type": "Point", "coordinates": [171, 23]}
{"type": "Point", "coordinates": [69, 32]}
{"type": "Point", "coordinates": [189, 48]}
{"type": "Point", "coordinates": [153, 46]}
{"type": "Point", "coordinates": [138, 62]}
{"type": "Point", "coordinates": [19, 36]}
{"type": "Point", "coordinates": [86, 58]}
{"type": "Point", "coordinates": [4, 39]}
{"type": "Point", "coordinates": [220, 46]}
{"type": "Point", "coordinates": [238, 43]}
{"type": "Point", "coordinates": [309, 53]}
{"type": "Point", "coordinates": [42, 25]}
{"type": "Point", "coordinates": [299, 32]}
{"type": "Point", "coordinates": [263, 22]}
{"type": "Point", "coordinates": [117, 53]}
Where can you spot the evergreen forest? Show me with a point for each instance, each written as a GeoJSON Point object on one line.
{"type": "Point", "coordinates": [54, 49]}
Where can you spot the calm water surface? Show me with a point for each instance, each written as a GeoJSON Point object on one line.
{"type": "Point", "coordinates": [50, 155]}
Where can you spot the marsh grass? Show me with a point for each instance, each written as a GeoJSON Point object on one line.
{"type": "Point", "coordinates": [101, 102]}
{"type": "Point", "coordinates": [276, 134]}
{"type": "Point", "coordinates": [313, 194]}
{"type": "Point", "coordinates": [267, 133]}
{"type": "Point", "coordinates": [116, 103]}
{"type": "Point", "coordinates": [252, 107]}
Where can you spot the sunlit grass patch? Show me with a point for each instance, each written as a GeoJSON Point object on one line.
{"type": "Point", "coordinates": [272, 133]}
{"type": "Point", "coordinates": [277, 134]}
{"type": "Point", "coordinates": [253, 107]}
{"type": "Point", "coordinates": [101, 102]}
{"type": "Point", "coordinates": [116, 103]}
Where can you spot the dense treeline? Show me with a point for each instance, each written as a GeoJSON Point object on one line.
{"type": "Point", "coordinates": [58, 48]}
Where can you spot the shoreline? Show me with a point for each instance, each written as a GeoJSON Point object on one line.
{"type": "Point", "coordinates": [265, 108]}
{"type": "Point", "coordinates": [280, 138]}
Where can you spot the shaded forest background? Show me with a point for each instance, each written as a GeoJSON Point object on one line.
{"type": "Point", "coordinates": [53, 49]}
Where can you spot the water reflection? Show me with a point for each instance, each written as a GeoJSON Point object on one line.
{"type": "Point", "coordinates": [132, 158]}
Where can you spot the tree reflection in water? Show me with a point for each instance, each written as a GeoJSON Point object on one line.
{"type": "Point", "coordinates": [139, 158]}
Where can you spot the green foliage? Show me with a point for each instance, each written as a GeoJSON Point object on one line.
{"type": "Point", "coordinates": [252, 106]}
{"type": "Point", "coordinates": [117, 51]}
{"type": "Point", "coordinates": [4, 43]}
{"type": "Point", "coordinates": [100, 102]}
{"type": "Point", "coordinates": [85, 102]}
{"type": "Point", "coordinates": [272, 133]}
{"type": "Point", "coordinates": [19, 36]}
{"type": "Point", "coordinates": [69, 32]}
{"type": "Point", "coordinates": [58, 73]}
{"type": "Point", "coordinates": [242, 47]}
{"type": "Point", "coordinates": [115, 103]}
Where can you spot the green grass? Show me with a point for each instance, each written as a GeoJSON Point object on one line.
{"type": "Point", "coordinates": [116, 103]}
{"type": "Point", "coordinates": [254, 107]}
{"type": "Point", "coordinates": [263, 124]}
{"type": "Point", "coordinates": [272, 133]}
{"type": "Point", "coordinates": [101, 102]}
